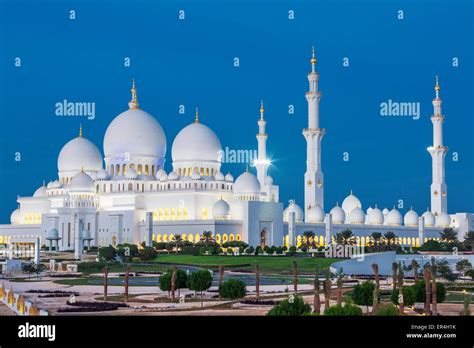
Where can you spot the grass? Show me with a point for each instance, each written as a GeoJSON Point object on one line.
{"type": "Point", "coordinates": [456, 297]}
{"type": "Point", "coordinates": [268, 264]}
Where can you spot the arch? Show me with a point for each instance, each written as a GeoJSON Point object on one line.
{"type": "Point", "coordinates": [117, 169]}
{"type": "Point", "coordinates": [191, 238]}
{"type": "Point", "coordinates": [201, 171]}
{"type": "Point", "coordinates": [218, 238]}
{"type": "Point", "coordinates": [238, 237]}
{"type": "Point", "coordinates": [158, 238]}
{"type": "Point", "coordinates": [165, 238]}
{"type": "Point", "coordinates": [124, 169]}
{"type": "Point", "coordinates": [231, 237]}
{"type": "Point", "coordinates": [321, 241]}
{"type": "Point", "coordinates": [146, 169]}
{"type": "Point", "coordinates": [197, 238]}
{"type": "Point", "coordinates": [139, 169]}
{"type": "Point", "coordinates": [130, 186]}
{"type": "Point", "coordinates": [287, 241]}
{"type": "Point", "coordinates": [224, 238]}
{"type": "Point", "coordinates": [184, 236]}
{"type": "Point", "coordinates": [298, 241]}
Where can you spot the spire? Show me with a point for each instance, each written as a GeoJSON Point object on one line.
{"type": "Point", "coordinates": [313, 61]}
{"type": "Point", "coordinates": [437, 87]}
{"type": "Point", "coordinates": [80, 130]}
{"type": "Point", "coordinates": [196, 120]}
{"type": "Point", "coordinates": [133, 104]}
{"type": "Point", "coordinates": [246, 167]}
{"type": "Point", "coordinates": [262, 109]}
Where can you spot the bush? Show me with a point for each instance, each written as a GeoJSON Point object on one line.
{"type": "Point", "coordinates": [127, 251]}
{"type": "Point", "coordinates": [258, 250]}
{"type": "Point", "coordinates": [147, 253]}
{"type": "Point", "coordinates": [409, 296]}
{"type": "Point", "coordinates": [200, 281]}
{"type": "Point", "coordinates": [181, 280]}
{"type": "Point", "coordinates": [234, 244]}
{"type": "Point", "coordinates": [470, 273]}
{"type": "Point", "coordinates": [285, 308]}
{"type": "Point", "coordinates": [233, 289]}
{"type": "Point", "coordinates": [431, 245]}
{"type": "Point", "coordinates": [387, 310]}
{"type": "Point", "coordinates": [292, 249]}
{"type": "Point", "coordinates": [190, 250]}
{"type": "Point", "coordinates": [91, 267]}
{"type": "Point", "coordinates": [363, 294]}
{"type": "Point", "coordinates": [250, 250]}
{"type": "Point", "coordinates": [348, 309]}
{"type": "Point", "coordinates": [107, 253]}
{"type": "Point", "coordinates": [420, 293]}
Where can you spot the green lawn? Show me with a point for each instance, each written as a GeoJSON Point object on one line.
{"type": "Point", "coordinates": [268, 264]}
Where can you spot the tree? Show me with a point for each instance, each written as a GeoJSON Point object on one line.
{"type": "Point", "coordinates": [176, 240]}
{"type": "Point", "coordinates": [295, 276]}
{"type": "Point", "coordinates": [376, 237]}
{"type": "Point", "coordinates": [127, 251]}
{"type": "Point", "coordinates": [427, 278]}
{"type": "Point", "coordinates": [221, 276]}
{"type": "Point", "coordinates": [375, 295]}
{"type": "Point", "coordinates": [363, 294]}
{"type": "Point", "coordinates": [420, 292]}
{"type": "Point", "coordinates": [409, 296]}
{"type": "Point", "coordinates": [107, 253]}
{"type": "Point", "coordinates": [462, 266]}
{"type": "Point", "coordinates": [348, 309]}
{"type": "Point", "coordinates": [469, 240]}
{"type": "Point", "coordinates": [308, 239]}
{"type": "Point", "coordinates": [445, 271]}
{"type": "Point", "coordinates": [394, 275]}
{"type": "Point", "coordinates": [327, 288]}
{"type": "Point", "coordinates": [431, 245]}
{"type": "Point", "coordinates": [434, 299]}
{"type": "Point", "coordinates": [207, 238]}
{"type": "Point", "coordinates": [387, 310]}
{"type": "Point", "coordinates": [290, 307]}
{"type": "Point", "coordinates": [340, 281]}
{"type": "Point", "coordinates": [390, 237]}
{"type": "Point", "coordinates": [448, 235]}
{"type": "Point", "coordinates": [401, 302]}
{"type": "Point", "coordinates": [233, 289]}
{"type": "Point", "coordinates": [173, 282]}
{"type": "Point", "coordinates": [257, 281]}
{"type": "Point", "coordinates": [147, 253]}
{"type": "Point", "coordinates": [200, 281]}
{"type": "Point", "coordinates": [415, 267]}
{"type": "Point", "coordinates": [316, 299]}
{"type": "Point", "coordinates": [179, 283]}
{"type": "Point", "coordinates": [345, 237]}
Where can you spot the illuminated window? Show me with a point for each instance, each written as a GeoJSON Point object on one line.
{"type": "Point", "coordinates": [204, 213]}
{"type": "Point", "coordinates": [139, 169]}
{"type": "Point", "coordinates": [124, 169]}
{"type": "Point", "coordinates": [146, 169]}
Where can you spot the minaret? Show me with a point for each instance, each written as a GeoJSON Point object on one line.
{"type": "Point", "coordinates": [439, 193]}
{"type": "Point", "coordinates": [133, 104]}
{"type": "Point", "coordinates": [262, 163]}
{"type": "Point", "coordinates": [313, 178]}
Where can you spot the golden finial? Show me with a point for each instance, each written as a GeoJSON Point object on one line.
{"type": "Point", "coordinates": [351, 192]}
{"type": "Point", "coordinates": [262, 110]}
{"type": "Point", "coordinates": [80, 130]}
{"type": "Point", "coordinates": [197, 115]}
{"type": "Point", "coordinates": [437, 87]}
{"type": "Point", "coordinates": [313, 58]}
{"type": "Point", "coordinates": [134, 102]}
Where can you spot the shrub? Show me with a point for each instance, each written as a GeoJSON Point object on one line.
{"type": "Point", "coordinates": [258, 250]}
{"type": "Point", "coordinates": [431, 245]}
{"type": "Point", "coordinates": [233, 289]}
{"type": "Point", "coordinates": [190, 250]}
{"type": "Point", "coordinates": [127, 251]}
{"type": "Point", "coordinates": [165, 280]}
{"type": "Point", "coordinates": [470, 273]}
{"type": "Point", "coordinates": [279, 250]}
{"type": "Point", "coordinates": [250, 250]}
{"type": "Point", "coordinates": [107, 253]}
{"type": "Point", "coordinates": [292, 249]}
{"type": "Point", "coordinates": [362, 294]}
{"type": "Point", "coordinates": [234, 244]}
{"type": "Point", "coordinates": [387, 310]}
{"type": "Point", "coordinates": [409, 296]}
{"type": "Point", "coordinates": [147, 253]}
{"type": "Point", "coordinates": [420, 293]}
{"type": "Point", "coordinates": [348, 309]}
{"type": "Point", "coordinates": [91, 267]}
{"type": "Point", "coordinates": [159, 245]}
{"type": "Point", "coordinates": [295, 308]}
{"type": "Point", "coordinates": [200, 281]}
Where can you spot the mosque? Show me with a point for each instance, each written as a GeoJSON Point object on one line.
{"type": "Point", "coordinates": [127, 196]}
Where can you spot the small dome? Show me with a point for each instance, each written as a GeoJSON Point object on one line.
{"type": "Point", "coordinates": [53, 234]}
{"type": "Point", "coordinates": [268, 180]}
{"type": "Point", "coordinates": [102, 175]}
{"type": "Point", "coordinates": [410, 218]}
{"type": "Point", "coordinates": [40, 192]}
{"type": "Point", "coordinates": [246, 183]}
{"type": "Point", "coordinates": [49, 184]}
{"type": "Point", "coordinates": [394, 217]}
{"type": "Point", "coordinates": [56, 184]}
{"type": "Point", "coordinates": [221, 210]}
{"type": "Point", "coordinates": [338, 215]}
{"type": "Point", "coordinates": [161, 175]}
{"type": "Point", "coordinates": [293, 207]}
{"type": "Point", "coordinates": [357, 216]}
{"type": "Point", "coordinates": [375, 217]}
{"type": "Point", "coordinates": [443, 220]}
{"type": "Point", "coordinates": [429, 218]}
{"type": "Point", "coordinates": [131, 174]}
{"type": "Point", "coordinates": [81, 183]}
{"type": "Point", "coordinates": [173, 176]}
{"type": "Point", "coordinates": [219, 176]}
{"type": "Point", "coordinates": [15, 217]}
{"type": "Point", "coordinates": [79, 154]}
{"type": "Point", "coordinates": [195, 175]}
{"type": "Point", "coordinates": [385, 211]}
{"type": "Point", "coordinates": [229, 177]}
{"type": "Point", "coordinates": [350, 202]}
{"type": "Point", "coordinates": [369, 209]}
{"type": "Point", "coordinates": [315, 214]}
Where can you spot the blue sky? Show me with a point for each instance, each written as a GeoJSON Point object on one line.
{"type": "Point", "coordinates": [190, 62]}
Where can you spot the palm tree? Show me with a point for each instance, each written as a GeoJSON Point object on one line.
{"type": "Point", "coordinates": [327, 289]}
{"type": "Point", "coordinates": [448, 235]}
{"type": "Point", "coordinates": [173, 282]}
{"type": "Point", "coordinates": [176, 240]}
{"type": "Point", "coordinates": [257, 281]}
{"type": "Point", "coordinates": [345, 237]}
{"type": "Point", "coordinates": [221, 276]}
{"type": "Point", "coordinates": [308, 239]}
{"type": "Point", "coordinates": [390, 237]}
{"type": "Point", "coordinates": [377, 237]}
{"type": "Point", "coordinates": [394, 275]}
{"type": "Point", "coordinates": [401, 301]}
{"type": "Point", "coordinates": [427, 276]}
{"type": "Point", "coordinates": [434, 291]}
{"type": "Point", "coordinates": [340, 280]}
{"type": "Point", "coordinates": [295, 277]}
{"type": "Point", "coordinates": [316, 299]}
{"type": "Point", "coordinates": [469, 240]}
{"type": "Point", "coordinates": [207, 238]}
{"type": "Point", "coordinates": [375, 301]}
{"type": "Point", "coordinates": [415, 266]}
{"type": "Point", "coordinates": [127, 271]}
{"type": "Point", "coordinates": [106, 278]}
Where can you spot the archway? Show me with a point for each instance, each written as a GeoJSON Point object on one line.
{"type": "Point", "coordinates": [263, 238]}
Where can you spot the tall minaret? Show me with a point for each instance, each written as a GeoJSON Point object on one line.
{"type": "Point", "coordinates": [439, 193]}
{"type": "Point", "coordinates": [262, 163]}
{"type": "Point", "coordinates": [313, 178]}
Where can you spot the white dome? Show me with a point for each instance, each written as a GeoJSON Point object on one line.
{"type": "Point", "coordinates": [246, 183]}
{"type": "Point", "coordinates": [49, 185]}
{"type": "Point", "coordinates": [429, 218]}
{"type": "Point", "coordinates": [315, 214]}
{"type": "Point", "coordinates": [443, 220]}
{"type": "Point", "coordinates": [81, 183]}
{"type": "Point", "coordinates": [40, 192]}
{"type": "Point", "coordinates": [357, 216]}
{"type": "Point", "coordinates": [161, 175]}
{"type": "Point", "coordinates": [268, 180]}
{"type": "Point", "coordinates": [410, 218]}
{"type": "Point", "coordinates": [195, 176]}
{"type": "Point", "coordinates": [221, 210]}
{"type": "Point", "coordinates": [102, 175]}
{"type": "Point", "coordinates": [338, 215]}
{"type": "Point", "coordinates": [56, 184]}
{"type": "Point", "coordinates": [15, 217]}
{"type": "Point", "coordinates": [351, 202]}
{"type": "Point", "coordinates": [53, 234]}
{"type": "Point", "coordinates": [173, 176]}
{"type": "Point", "coordinates": [131, 174]}
{"type": "Point", "coordinates": [369, 209]}
{"type": "Point", "coordinates": [219, 176]}
{"type": "Point", "coordinates": [385, 211]}
{"type": "Point", "coordinates": [293, 207]}
{"type": "Point", "coordinates": [196, 142]}
{"type": "Point", "coordinates": [375, 217]}
{"type": "Point", "coordinates": [135, 132]}
{"type": "Point", "coordinates": [79, 154]}
{"type": "Point", "coordinates": [229, 177]}
{"type": "Point", "coordinates": [394, 217]}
